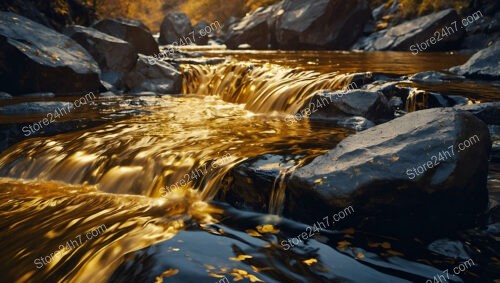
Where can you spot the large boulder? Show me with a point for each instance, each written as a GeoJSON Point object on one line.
{"type": "Point", "coordinates": [482, 65]}
{"type": "Point", "coordinates": [154, 75]}
{"type": "Point", "coordinates": [132, 31]}
{"type": "Point", "coordinates": [422, 175]}
{"type": "Point", "coordinates": [333, 104]}
{"type": "Point", "coordinates": [200, 31]}
{"type": "Point", "coordinates": [329, 24]}
{"type": "Point", "coordinates": [418, 35]}
{"type": "Point", "coordinates": [256, 29]}
{"type": "Point", "coordinates": [34, 58]}
{"type": "Point", "coordinates": [176, 28]}
{"type": "Point", "coordinates": [115, 56]}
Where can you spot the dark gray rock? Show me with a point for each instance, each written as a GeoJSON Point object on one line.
{"type": "Point", "coordinates": [372, 171]}
{"type": "Point", "coordinates": [132, 31]}
{"type": "Point", "coordinates": [482, 65]}
{"type": "Point", "coordinates": [34, 58]}
{"type": "Point", "coordinates": [200, 32]}
{"type": "Point", "coordinates": [488, 112]}
{"type": "Point", "coordinates": [434, 77]}
{"type": "Point", "coordinates": [176, 29]}
{"type": "Point", "coordinates": [115, 56]}
{"type": "Point", "coordinates": [449, 248]}
{"type": "Point", "coordinates": [4, 95]}
{"type": "Point", "coordinates": [326, 104]}
{"type": "Point", "coordinates": [154, 75]}
{"type": "Point", "coordinates": [38, 95]}
{"type": "Point", "coordinates": [406, 36]}
{"type": "Point", "coordinates": [256, 29]}
{"type": "Point", "coordinates": [329, 24]}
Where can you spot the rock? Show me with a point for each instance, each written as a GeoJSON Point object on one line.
{"type": "Point", "coordinates": [34, 58]}
{"type": "Point", "coordinates": [356, 123]}
{"type": "Point", "coordinates": [256, 29]}
{"type": "Point", "coordinates": [38, 95]}
{"type": "Point", "coordinates": [154, 75]}
{"type": "Point", "coordinates": [373, 171]}
{"type": "Point", "coordinates": [176, 29]}
{"type": "Point", "coordinates": [368, 104]}
{"type": "Point", "coordinates": [329, 24]}
{"type": "Point", "coordinates": [489, 112]}
{"type": "Point", "coordinates": [27, 108]}
{"type": "Point", "coordinates": [449, 248]}
{"type": "Point", "coordinates": [115, 56]}
{"type": "Point", "coordinates": [415, 35]}
{"type": "Point", "coordinates": [132, 31]}
{"type": "Point", "coordinates": [200, 31]}
{"type": "Point", "coordinates": [434, 77]}
{"type": "Point", "coordinates": [4, 95]}
{"type": "Point", "coordinates": [250, 184]}
{"type": "Point", "coordinates": [396, 103]}
{"type": "Point", "coordinates": [482, 65]}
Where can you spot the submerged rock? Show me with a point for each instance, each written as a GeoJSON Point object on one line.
{"type": "Point", "coordinates": [132, 31]}
{"type": "Point", "coordinates": [415, 35]}
{"type": "Point", "coordinates": [174, 28]}
{"type": "Point", "coordinates": [34, 58]}
{"type": "Point", "coordinates": [482, 65]}
{"type": "Point", "coordinates": [356, 123]}
{"type": "Point", "coordinates": [329, 24]}
{"type": "Point", "coordinates": [27, 108]}
{"type": "Point", "coordinates": [400, 180]}
{"type": "Point", "coordinates": [154, 75]}
{"type": "Point", "coordinates": [115, 56]}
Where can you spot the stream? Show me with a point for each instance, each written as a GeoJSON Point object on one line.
{"type": "Point", "coordinates": [147, 186]}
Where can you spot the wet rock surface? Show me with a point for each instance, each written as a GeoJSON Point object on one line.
{"type": "Point", "coordinates": [482, 65]}
{"type": "Point", "coordinates": [132, 31]}
{"type": "Point", "coordinates": [371, 105]}
{"type": "Point", "coordinates": [405, 36]}
{"type": "Point", "coordinates": [329, 24]}
{"type": "Point", "coordinates": [115, 56]}
{"type": "Point", "coordinates": [38, 59]}
{"type": "Point", "coordinates": [153, 75]}
{"type": "Point", "coordinates": [372, 171]}
{"type": "Point", "coordinates": [174, 28]}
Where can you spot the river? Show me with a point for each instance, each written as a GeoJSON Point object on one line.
{"type": "Point", "coordinates": [110, 181]}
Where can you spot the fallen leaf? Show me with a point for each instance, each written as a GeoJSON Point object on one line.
{"type": "Point", "coordinates": [268, 228]}
{"type": "Point", "coordinates": [240, 257]}
{"type": "Point", "coordinates": [310, 261]}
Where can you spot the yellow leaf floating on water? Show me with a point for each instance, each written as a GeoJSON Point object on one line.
{"type": "Point", "coordinates": [310, 261]}
{"type": "Point", "coordinates": [167, 273]}
{"type": "Point", "coordinates": [386, 245]}
{"type": "Point", "coordinates": [240, 274]}
{"type": "Point", "coordinates": [395, 157]}
{"type": "Point", "coordinates": [342, 245]}
{"type": "Point", "coordinates": [360, 256]}
{"type": "Point", "coordinates": [216, 275]}
{"type": "Point", "coordinates": [240, 257]}
{"type": "Point", "coordinates": [268, 228]}
{"type": "Point", "coordinates": [253, 233]}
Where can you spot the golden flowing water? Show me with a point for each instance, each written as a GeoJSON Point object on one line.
{"type": "Point", "coordinates": [150, 177]}
{"type": "Point", "coordinates": [263, 89]}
